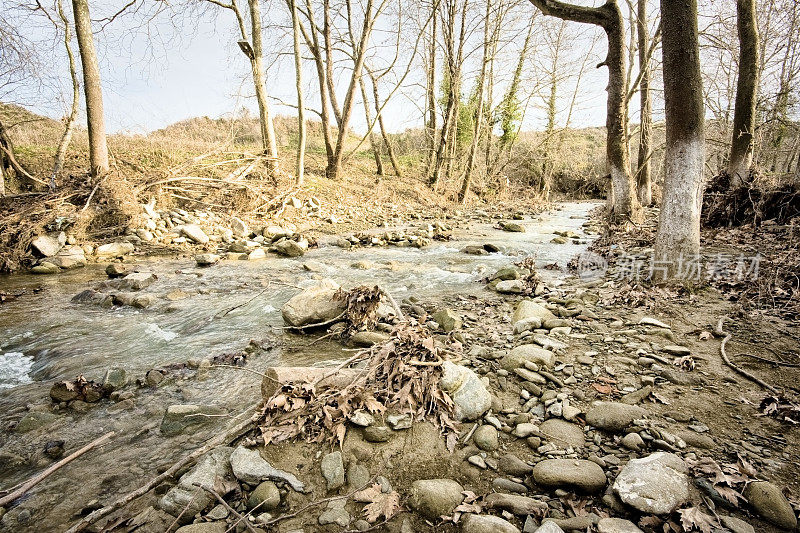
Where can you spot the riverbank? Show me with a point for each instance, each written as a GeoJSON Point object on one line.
{"type": "Point", "coordinates": [541, 449]}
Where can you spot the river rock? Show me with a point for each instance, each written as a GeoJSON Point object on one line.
{"type": "Point", "coordinates": [63, 391]}
{"type": "Point", "coordinates": [291, 248]}
{"type": "Point", "coordinates": [113, 250]}
{"type": "Point", "coordinates": [769, 502]}
{"type": "Point", "coordinates": [137, 281]}
{"type": "Point", "coordinates": [514, 503]}
{"type": "Point", "coordinates": [549, 527]}
{"type": "Point", "coordinates": [736, 525]}
{"type": "Point", "coordinates": [655, 484]}
{"type": "Point", "coordinates": [529, 308]}
{"type": "Point", "coordinates": [206, 259]}
{"type": "Point", "coordinates": [239, 227]}
{"type": "Point", "coordinates": [506, 273]}
{"type": "Point", "coordinates": [115, 379]}
{"type": "Point", "coordinates": [248, 466]}
{"type": "Point", "coordinates": [265, 496]}
{"type": "Point", "coordinates": [617, 525]}
{"type": "Point", "coordinates": [45, 267]}
{"type": "Point", "coordinates": [195, 233]}
{"type": "Point", "coordinates": [368, 338]}
{"type": "Point", "coordinates": [514, 466]}
{"type": "Point", "coordinates": [69, 257]}
{"type": "Point", "coordinates": [527, 324]}
{"type": "Point", "coordinates": [377, 434]}
{"type": "Point", "coordinates": [613, 416]}
{"type": "Point", "coordinates": [178, 418]}
{"type": "Point", "coordinates": [474, 523]}
{"type": "Point", "coordinates": [447, 319]}
{"type": "Point", "coordinates": [116, 270]}
{"type": "Point", "coordinates": [35, 420]}
{"type": "Point", "coordinates": [467, 391]}
{"type": "Point", "coordinates": [527, 353]}
{"type": "Point", "coordinates": [433, 498]}
{"type": "Point", "coordinates": [333, 470]}
{"type": "Point", "coordinates": [512, 286]}
{"type": "Point", "coordinates": [512, 227]}
{"type": "Point", "coordinates": [314, 305]}
{"type": "Point", "coordinates": [185, 498]}
{"type": "Point", "coordinates": [202, 527]}
{"type": "Point", "coordinates": [562, 433]}
{"type": "Point", "coordinates": [579, 474]}
{"type": "Point", "coordinates": [486, 438]}
{"type": "Point", "coordinates": [650, 321]}
{"type": "Point", "coordinates": [46, 245]}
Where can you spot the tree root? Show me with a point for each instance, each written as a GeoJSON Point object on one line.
{"type": "Point", "coordinates": [727, 336]}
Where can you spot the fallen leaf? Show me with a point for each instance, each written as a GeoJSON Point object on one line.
{"type": "Point", "coordinates": [603, 389]}
{"type": "Point", "coordinates": [384, 505]}
{"type": "Point", "coordinates": [693, 518]}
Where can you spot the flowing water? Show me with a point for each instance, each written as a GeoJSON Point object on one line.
{"type": "Point", "coordinates": [200, 313]}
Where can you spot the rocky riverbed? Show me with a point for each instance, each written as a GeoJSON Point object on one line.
{"type": "Point", "coordinates": [577, 412]}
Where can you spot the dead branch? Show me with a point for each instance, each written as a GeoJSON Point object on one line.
{"type": "Point", "coordinates": [229, 436]}
{"type": "Point", "coordinates": [221, 500]}
{"type": "Point", "coordinates": [25, 487]}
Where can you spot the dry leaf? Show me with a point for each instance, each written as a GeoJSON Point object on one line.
{"type": "Point", "coordinates": [603, 389]}
{"type": "Point", "coordinates": [693, 518]}
{"type": "Point", "coordinates": [383, 505]}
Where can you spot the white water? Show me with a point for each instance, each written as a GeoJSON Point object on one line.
{"type": "Point", "coordinates": [14, 369]}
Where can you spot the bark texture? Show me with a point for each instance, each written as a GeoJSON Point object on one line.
{"type": "Point", "coordinates": [744, 114]}
{"type": "Point", "coordinates": [257, 65]}
{"type": "Point", "coordinates": [98, 149]}
{"type": "Point", "coordinates": [301, 112]}
{"type": "Point", "coordinates": [678, 237]}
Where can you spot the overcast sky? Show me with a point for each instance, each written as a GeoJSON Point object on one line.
{"type": "Point", "coordinates": [199, 71]}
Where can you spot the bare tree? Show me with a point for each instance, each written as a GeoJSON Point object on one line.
{"type": "Point", "coordinates": [301, 118]}
{"type": "Point", "coordinates": [744, 114]}
{"type": "Point", "coordinates": [479, 114]}
{"type": "Point", "coordinates": [625, 203]}
{"type": "Point", "coordinates": [678, 237]}
{"type": "Point", "coordinates": [252, 47]}
{"type": "Point", "coordinates": [643, 178]}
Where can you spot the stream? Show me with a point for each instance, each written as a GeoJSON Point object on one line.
{"type": "Point", "coordinates": [201, 313]}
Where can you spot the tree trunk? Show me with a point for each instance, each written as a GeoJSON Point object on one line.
{"type": "Point", "coordinates": [376, 152]}
{"type": "Point", "coordinates": [476, 131]}
{"type": "Point", "coordinates": [98, 149]}
{"type": "Point", "coordinates": [430, 95]}
{"type": "Point", "coordinates": [744, 114]}
{"type": "Point", "coordinates": [301, 116]}
{"type": "Point", "coordinates": [66, 138]}
{"type": "Point", "coordinates": [625, 203]}
{"type": "Point", "coordinates": [384, 134]}
{"type": "Point", "coordinates": [643, 176]}
{"type": "Point", "coordinates": [678, 237]}
{"type": "Point", "coordinates": [268, 142]}
{"type": "Point", "coordinates": [334, 169]}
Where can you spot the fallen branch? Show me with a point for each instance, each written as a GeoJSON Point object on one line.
{"type": "Point", "coordinates": [734, 366]}
{"type": "Point", "coordinates": [318, 324]}
{"type": "Point", "coordinates": [231, 435]}
{"type": "Point", "coordinates": [396, 307]}
{"type": "Point", "coordinates": [230, 509]}
{"type": "Point", "coordinates": [35, 480]}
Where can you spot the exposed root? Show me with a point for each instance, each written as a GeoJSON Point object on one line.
{"type": "Point", "coordinates": [735, 367]}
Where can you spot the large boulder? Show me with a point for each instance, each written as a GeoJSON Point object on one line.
{"type": "Point", "coordinates": [433, 498]}
{"type": "Point", "coordinates": [579, 474]}
{"type": "Point", "coordinates": [137, 281]}
{"type": "Point", "coordinates": [69, 257]}
{"type": "Point", "coordinates": [562, 433]}
{"type": "Point", "coordinates": [467, 391]}
{"type": "Point", "coordinates": [525, 353]}
{"type": "Point", "coordinates": [314, 305]}
{"type": "Point", "coordinates": [291, 248]}
{"type": "Point", "coordinates": [655, 484]}
{"type": "Point", "coordinates": [186, 498]}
